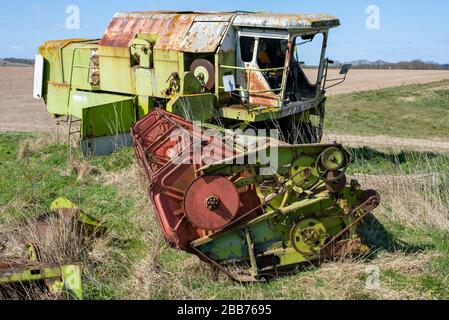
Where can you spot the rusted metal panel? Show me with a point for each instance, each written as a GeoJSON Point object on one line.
{"type": "Point", "coordinates": [286, 21]}
{"type": "Point", "coordinates": [175, 31]}
{"type": "Point", "coordinates": [204, 37]}
{"type": "Point", "coordinates": [261, 94]}
{"type": "Point", "coordinates": [171, 29]}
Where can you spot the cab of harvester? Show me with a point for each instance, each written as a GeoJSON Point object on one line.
{"type": "Point", "coordinates": [235, 69]}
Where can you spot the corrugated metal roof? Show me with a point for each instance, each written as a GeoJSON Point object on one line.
{"type": "Point", "coordinates": [200, 31]}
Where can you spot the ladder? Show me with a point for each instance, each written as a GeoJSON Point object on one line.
{"type": "Point", "coordinates": [70, 120]}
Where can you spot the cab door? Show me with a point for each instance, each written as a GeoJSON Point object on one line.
{"type": "Point", "coordinates": [262, 59]}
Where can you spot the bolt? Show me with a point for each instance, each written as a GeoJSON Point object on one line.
{"type": "Point", "coordinates": [307, 173]}
{"type": "Point", "coordinates": [212, 203]}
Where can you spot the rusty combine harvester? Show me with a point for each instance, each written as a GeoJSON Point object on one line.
{"type": "Point", "coordinates": [258, 205]}
{"type": "Point", "coordinates": [232, 69]}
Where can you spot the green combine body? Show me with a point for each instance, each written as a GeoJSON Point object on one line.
{"type": "Point", "coordinates": [233, 69]}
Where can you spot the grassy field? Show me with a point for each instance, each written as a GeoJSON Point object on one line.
{"type": "Point", "coordinates": [416, 111]}
{"type": "Point", "coordinates": [408, 234]}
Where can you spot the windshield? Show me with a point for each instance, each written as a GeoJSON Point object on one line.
{"type": "Point", "coordinates": [307, 53]}
{"type": "Point", "coordinates": [304, 68]}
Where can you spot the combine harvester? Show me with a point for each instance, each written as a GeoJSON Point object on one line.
{"type": "Point", "coordinates": [250, 206]}
{"type": "Point", "coordinates": [232, 69]}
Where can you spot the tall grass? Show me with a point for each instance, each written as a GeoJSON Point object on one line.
{"type": "Point", "coordinates": [59, 241]}
{"type": "Point", "coordinates": [414, 186]}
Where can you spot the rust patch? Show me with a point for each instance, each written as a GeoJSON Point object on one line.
{"type": "Point", "coordinates": [59, 85]}
{"type": "Point", "coordinates": [259, 83]}
{"type": "Point", "coordinates": [171, 29]}
{"type": "Point", "coordinates": [191, 32]}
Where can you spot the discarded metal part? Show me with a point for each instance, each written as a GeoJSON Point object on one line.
{"type": "Point", "coordinates": [254, 216]}
{"type": "Point", "coordinates": [59, 280]}
{"type": "Point", "coordinates": [68, 210]}
{"type": "Point", "coordinates": [20, 276]}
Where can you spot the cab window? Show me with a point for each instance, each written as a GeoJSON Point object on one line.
{"type": "Point", "coordinates": [307, 54]}
{"type": "Point", "coordinates": [247, 48]}
{"type": "Point", "coordinates": [271, 53]}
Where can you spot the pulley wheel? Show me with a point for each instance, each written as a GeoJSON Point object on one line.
{"type": "Point", "coordinates": [304, 172]}
{"type": "Point", "coordinates": [211, 202]}
{"type": "Point", "coordinates": [335, 181]}
{"type": "Point", "coordinates": [204, 70]}
{"type": "Point", "coordinates": [308, 236]}
{"type": "Point", "coordinates": [333, 159]}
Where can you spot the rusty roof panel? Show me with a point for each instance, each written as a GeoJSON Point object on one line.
{"type": "Point", "coordinates": [171, 29]}
{"type": "Point", "coordinates": [204, 36]}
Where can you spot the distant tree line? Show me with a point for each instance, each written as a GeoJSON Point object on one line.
{"type": "Point", "coordinates": [403, 65]}
{"type": "Point", "coordinates": [15, 60]}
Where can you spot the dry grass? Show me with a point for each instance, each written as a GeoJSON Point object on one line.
{"type": "Point", "coordinates": [347, 279]}
{"type": "Point", "coordinates": [412, 200]}
{"type": "Point", "coordinates": [28, 292]}
{"type": "Point", "coordinates": [34, 145]}
{"type": "Point", "coordinates": [60, 241]}
{"type": "Point", "coordinates": [339, 280]}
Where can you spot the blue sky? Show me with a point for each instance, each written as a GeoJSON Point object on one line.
{"type": "Point", "coordinates": [408, 29]}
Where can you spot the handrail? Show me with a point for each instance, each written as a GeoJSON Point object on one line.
{"type": "Point", "coordinates": [61, 56]}
{"type": "Point", "coordinates": [252, 69]}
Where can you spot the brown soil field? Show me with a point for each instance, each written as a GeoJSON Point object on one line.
{"type": "Point", "coordinates": [20, 112]}
{"type": "Point", "coordinates": [363, 80]}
